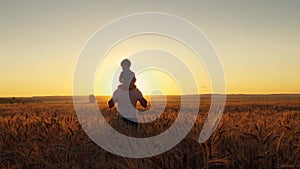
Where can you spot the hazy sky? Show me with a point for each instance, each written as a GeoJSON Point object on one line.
{"type": "Point", "coordinates": [258, 41]}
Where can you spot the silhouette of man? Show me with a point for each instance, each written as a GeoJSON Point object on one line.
{"type": "Point", "coordinates": [127, 100]}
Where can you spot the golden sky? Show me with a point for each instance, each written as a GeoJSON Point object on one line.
{"type": "Point", "coordinates": [257, 41]}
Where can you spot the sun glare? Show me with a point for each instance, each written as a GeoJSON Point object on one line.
{"type": "Point", "coordinates": [159, 63]}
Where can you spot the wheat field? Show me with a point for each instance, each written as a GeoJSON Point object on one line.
{"type": "Point", "coordinates": [254, 132]}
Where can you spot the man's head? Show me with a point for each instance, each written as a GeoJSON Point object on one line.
{"type": "Point", "coordinates": [125, 64]}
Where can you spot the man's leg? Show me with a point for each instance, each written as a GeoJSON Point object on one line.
{"type": "Point", "coordinates": [129, 122]}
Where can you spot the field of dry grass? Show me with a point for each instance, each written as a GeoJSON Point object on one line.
{"type": "Point", "coordinates": [255, 132]}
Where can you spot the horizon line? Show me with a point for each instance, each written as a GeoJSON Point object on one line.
{"type": "Point", "coordinates": [227, 94]}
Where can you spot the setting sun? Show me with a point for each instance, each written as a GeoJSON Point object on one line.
{"type": "Point", "coordinates": [160, 63]}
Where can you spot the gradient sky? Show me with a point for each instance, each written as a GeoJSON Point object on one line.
{"type": "Point", "coordinates": [258, 42]}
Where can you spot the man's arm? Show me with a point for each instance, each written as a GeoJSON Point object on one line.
{"type": "Point", "coordinates": [141, 98]}
{"type": "Point", "coordinates": [111, 103]}
{"type": "Point", "coordinates": [143, 102]}
{"type": "Point", "coordinates": [113, 100]}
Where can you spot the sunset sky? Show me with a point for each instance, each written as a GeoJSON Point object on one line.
{"type": "Point", "coordinates": [258, 43]}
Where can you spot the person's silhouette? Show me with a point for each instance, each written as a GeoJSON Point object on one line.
{"type": "Point", "coordinates": [127, 77]}
{"type": "Point", "coordinates": [127, 95]}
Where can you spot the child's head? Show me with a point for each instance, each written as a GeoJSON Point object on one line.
{"type": "Point", "coordinates": [125, 64]}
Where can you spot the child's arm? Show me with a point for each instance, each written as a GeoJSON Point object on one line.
{"type": "Point", "coordinates": [121, 77]}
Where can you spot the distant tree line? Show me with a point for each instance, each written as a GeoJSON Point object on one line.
{"type": "Point", "coordinates": [22, 100]}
